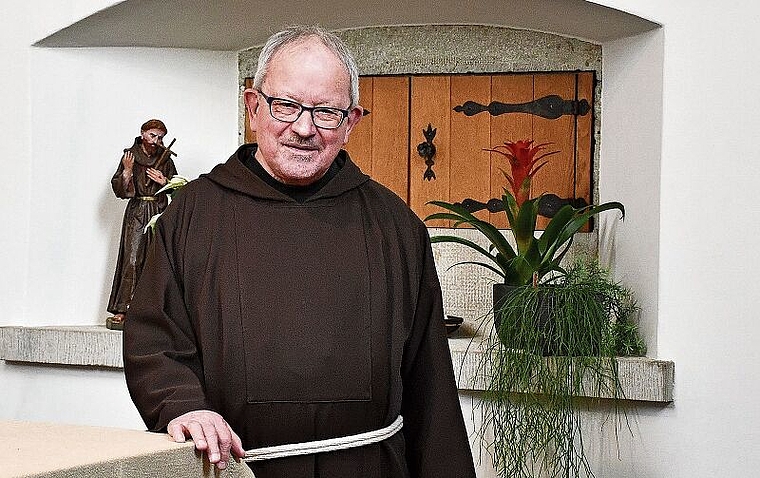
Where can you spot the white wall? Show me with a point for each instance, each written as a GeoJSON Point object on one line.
{"type": "Point", "coordinates": [66, 116]}
{"type": "Point", "coordinates": [687, 177]}
{"type": "Point", "coordinates": [14, 161]}
{"type": "Point", "coordinates": [96, 397]}
{"type": "Point", "coordinates": [630, 152]}
{"type": "Point", "coordinates": [709, 223]}
{"type": "Point", "coordinates": [87, 106]}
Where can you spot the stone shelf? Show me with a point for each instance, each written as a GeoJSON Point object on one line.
{"type": "Point", "coordinates": [641, 378]}
{"type": "Point", "coordinates": [94, 346]}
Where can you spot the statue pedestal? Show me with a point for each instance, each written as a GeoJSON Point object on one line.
{"type": "Point", "coordinates": [113, 324]}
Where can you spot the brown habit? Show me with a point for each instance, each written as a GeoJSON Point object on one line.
{"type": "Point", "coordinates": [297, 322]}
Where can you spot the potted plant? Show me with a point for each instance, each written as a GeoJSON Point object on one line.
{"type": "Point", "coordinates": [531, 402]}
{"type": "Point", "coordinates": [536, 259]}
{"type": "Point", "coordinates": [558, 329]}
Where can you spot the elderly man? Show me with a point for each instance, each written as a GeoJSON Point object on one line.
{"type": "Point", "coordinates": [289, 299]}
{"type": "Point", "coordinates": [142, 171]}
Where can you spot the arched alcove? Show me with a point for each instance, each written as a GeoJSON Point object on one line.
{"type": "Point", "coordinates": [626, 128]}
{"type": "Point", "coordinates": [629, 123]}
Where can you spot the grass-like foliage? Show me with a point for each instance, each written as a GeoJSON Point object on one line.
{"type": "Point", "coordinates": [554, 343]}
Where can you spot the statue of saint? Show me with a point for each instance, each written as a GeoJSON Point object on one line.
{"type": "Point", "coordinates": [144, 168]}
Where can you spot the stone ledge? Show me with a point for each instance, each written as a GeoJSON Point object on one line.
{"type": "Point", "coordinates": [641, 378]}
{"type": "Point", "coordinates": [94, 346]}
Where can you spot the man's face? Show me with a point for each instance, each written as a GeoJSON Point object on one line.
{"type": "Point", "coordinates": [308, 73]}
{"type": "Point", "coordinates": [151, 138]}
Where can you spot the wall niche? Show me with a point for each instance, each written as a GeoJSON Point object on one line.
{"type": "Point", "coordinates": [421, 71]}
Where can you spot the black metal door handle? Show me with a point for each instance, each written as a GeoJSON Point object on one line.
{"type": "Point", "coordinates": [427, 151]}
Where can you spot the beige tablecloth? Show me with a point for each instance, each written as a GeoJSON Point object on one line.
{"type": "Point", "coordinates": [70, 451]}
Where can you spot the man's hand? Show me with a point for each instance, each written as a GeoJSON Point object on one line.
{"type": "Point", "coordinates": [211, 434]}
{"type": "Point", "coordinates": [128, 160]}
{"type": "Point", "coordinates": [157, 176]}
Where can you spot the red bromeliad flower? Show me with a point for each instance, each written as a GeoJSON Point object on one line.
{"type": "Point", "coordinates": [535, 258]}
{"type": "Point", "coordinates": [522, 159]}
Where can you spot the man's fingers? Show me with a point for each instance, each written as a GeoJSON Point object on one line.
{"type": "Point", "coordinates": [211, 434]}
{"type": "Point", "coordinates": [212, 441]}
{"type": "Point", "coordinates": [197, 434]}
{"type": "Point", "coordinates": [236, 445]}
{"type": "Point", "coordinates": [128, 160]}
{"type": "Point", "coordinates": [176, 431]}
{"type": "Point", "coordinates": [224, 434]}
{"type": "Point", "coordinates": [156, 175]}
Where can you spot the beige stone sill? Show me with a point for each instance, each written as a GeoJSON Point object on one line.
{"type": "Point", "coordinates": [642, 379]}
{"type": "Point", "coordinates": [71, 451]}
{"type": "Point", "coordinates": [94, 346]}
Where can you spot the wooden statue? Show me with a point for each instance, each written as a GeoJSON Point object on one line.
{"type": "Point", "coordinates": [144, 168]}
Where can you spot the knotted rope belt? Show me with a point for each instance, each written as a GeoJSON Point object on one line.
{"type": "Point", "coordinates": [321, 446]}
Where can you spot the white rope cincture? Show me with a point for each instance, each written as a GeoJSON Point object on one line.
{"type": "Point", "coordinates": [321, 446]}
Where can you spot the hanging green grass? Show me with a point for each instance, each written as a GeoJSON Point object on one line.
{"type": "Point", "coordinates": [553, 344]}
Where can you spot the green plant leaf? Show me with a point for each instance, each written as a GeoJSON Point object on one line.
{"type": "Point", "coordinates": [525, 227]}
{"type": "Point", "coordinates": [493, 235]}
{"type": "Point", "coordinates": [510, 207]}
{"type": "Point", "coordinates": [499, 272]}
{"type": "Point", "coordinates": [497, 259]}
{"type": "Point", "coordinates": [464, 242]}
{"type": "Point", "coordinates": [176, 182]}
{"type": "Point", "coordinates": [561, 230]}
{"type": "Point", "coordinates": [151, 226]}
{"type": "Point", "coordinates": [582, 217]}
{"type": "Point", "coordinates": [555, 227]}
{"type": "Point", "coordinates": [446, 216]}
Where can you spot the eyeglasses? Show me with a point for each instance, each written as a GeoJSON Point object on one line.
{"type": "Point", "coordinates": [289, 111]}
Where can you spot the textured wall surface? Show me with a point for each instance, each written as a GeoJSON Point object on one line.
{"type": "Point", "coordinates": [422, 49]}
{"type": "Point", "coordinates": [62, 345]}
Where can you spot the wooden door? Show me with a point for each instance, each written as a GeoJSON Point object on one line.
{"type": "Point", "coordinates": [430, 107]}
{"type": "Point", "coordinates": [464, 170]}
{"type": "Point", "coordinates": [379, 142]}
{"type": "Point", "coordinates": [249, 135]}
{"type": "Point", "coordinates": [398, 109]}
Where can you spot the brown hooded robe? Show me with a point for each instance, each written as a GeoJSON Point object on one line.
{"type": "Point", "coordinates": [298, 322]}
